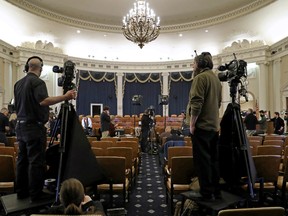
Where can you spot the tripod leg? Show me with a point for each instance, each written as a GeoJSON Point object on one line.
{"type": "Point", "coordinates": [243, 146]}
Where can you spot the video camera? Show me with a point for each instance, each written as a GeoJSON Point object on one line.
{"type": "Point", "coordinates": [234, 70]}
{"type": "Point", "coordinates": [235, 73]}
{"type": "Point", "coordinates": [68, 74]}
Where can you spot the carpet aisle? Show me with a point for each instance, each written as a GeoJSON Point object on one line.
{"type": "Point", "coordinates": [148, 195]}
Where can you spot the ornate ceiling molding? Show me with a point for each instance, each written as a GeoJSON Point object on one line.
{"type": "Point", "coordinates": [117, 29]}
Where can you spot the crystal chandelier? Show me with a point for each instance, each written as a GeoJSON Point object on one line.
{"type": "Point", "coordinates": [140, 25]}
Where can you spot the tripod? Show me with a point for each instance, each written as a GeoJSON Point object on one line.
{"type": "Point", "coordinates": [63, 122]}
{"type": "Point", "coordinates": [234, 147]}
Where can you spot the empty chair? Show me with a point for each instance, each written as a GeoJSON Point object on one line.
{"type": "Point", "coordinates": [259, 138]}
{"type": "Point", "coordinates": [116, 179]}
{"type": "Point", "coordinates": [262, 211]}
{"type": "Point", "coordinates": [179, 177]}
{"type": "Point", "coordinates": [101, 144]}
{"type": "Point", "coordinates": [127, 153]}
{"type": "Point", "coordinates": [274, 137]}
{"type": "Point", "coordinates": [177, 151]}
{"type": "Point", "coordinates": [98, 151]}
{"type": "Point", "coordinates": [254, 143]}
{"type": "Point", "coordinates": [274, 142]}
{"type": "Point", "coordinates": [269, 150]}
{"type": "Point", "coordinates": [7, 173]}
{"type": "Point", "coordinates": [267, 167]}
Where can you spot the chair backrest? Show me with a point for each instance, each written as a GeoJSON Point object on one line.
{"type": "Point", "coordinates": [131, 144]}
{"type": "Point", "coordinates": [113, 168]}
{"type": "Point", "coordinates": [175, 151]}
{"type": "Point", "coordinates": [102, 144]}
{"type": "Point", "coordinates": [98, 151]}
{"type": "Point", "coordinates": [7, 168]}
{"type": "Point", "coordinates": [274, 142]}
{"type": "Point", "coordinates": [172, 143]}
{"type": "Point", "coordinates": [267, 167]}
{"type": "Point", "coordinates": [182, 170]}
{"type": "Point", "coordinates": [188, 141]}
{"type": "Point", "coordinates": [130, 139]}
{"type": "Point", "coordinates": [274, 137]}
{"type": "Point", "coordinates": [262, 211]}
{"type": "Point", "coordinates": [114, 140]}
{"type": "Point", "coordinates": [6, 150]}
{"type": "Point", "coordinates": [259, 138]}
{"type": "Point", "coordinates": [255, 143]}
{"type": "Point", "coordinates": [121, 152]}
{"type": "Point", "coordinates": [269, 150]}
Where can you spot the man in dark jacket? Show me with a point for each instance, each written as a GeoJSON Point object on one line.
{"type": "Point", "coordinates": [105, 121]}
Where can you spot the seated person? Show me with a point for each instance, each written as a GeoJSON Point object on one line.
{"type": "Point", "coordinates": [185, 127]}
{"type": "Point", "coordinates": [87, 125]}
{"type": "Point", "coordinates": [166, 133]}
{"type": "Point", "coordinates": [74, 201]}
{"type": "Point", "coordinates": [174, 136]}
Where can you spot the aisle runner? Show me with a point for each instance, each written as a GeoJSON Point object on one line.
{"type": "Point", "coordinates": [148, 196]}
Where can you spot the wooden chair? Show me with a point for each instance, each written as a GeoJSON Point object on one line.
{"type": "Point", "coordinates": [262, 211]}
{"type": "Point", "coordinates": [2, 144]}
{"type": "Point", "coordinates": [115, 172]}
{"type": "Point", "coordinates": [274, 137]}
{"type": "Point", "coordinates": [90, 139]}
{"type": "Point", "coordinates": [267, 167]}
{"type": "Point", "coordinates": [176, 151]}
{"type": "Point", "coordinates": [7, 173]}
{"type": "Point", "coordinates": [259, 138]}
{"type": "Point", "coordinates": [7, 150]}
{"type": "Point", "coordinates": [179, 177]}
{"type": "Point", "coordinates": [170, 144]}
{"type": "Point", "coordinates": [188, 141]}
{"type": "Point", "coordinates": [127, 153]}
{"type": "Point", "coordinates": [274, 142]}
{"type": "Point", "coordinates": [254, 144]}
{"type": "Point", "coordinates": [269, 150]}
{"type": "Point", "coordinates": [101, 144]}
{"type": "Point", "coordinates": [283, 177]}
{"type": "Point", "coordinates": [114, 140]}
{"type": "Point", "coordinates": [98, 151]}
{"type": "Point", "coordinates": [136, 151]}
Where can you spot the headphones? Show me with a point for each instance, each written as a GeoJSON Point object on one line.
{"type": "Point", "coordinates": [26, 67]}
{"type": "Point", "coordinates": [202, 60]}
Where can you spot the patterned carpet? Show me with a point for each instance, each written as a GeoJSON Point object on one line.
{"type": "Point", "coordinates": [148, 194]}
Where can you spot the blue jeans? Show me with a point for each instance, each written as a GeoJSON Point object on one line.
{"type": "Point", "coordinates": [31, 165]}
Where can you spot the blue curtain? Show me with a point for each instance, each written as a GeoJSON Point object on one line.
{"type": "Point", "coordinates": [149, 91]}
{"type": "Point", "coordinates": [179, 91]}
{"type": "Point", "coordinates": [100, 91]}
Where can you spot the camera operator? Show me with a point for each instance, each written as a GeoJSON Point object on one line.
{"type": "Point", "coordinates": [204, 103]}
{"type": "Point", "coordinates": [32, 107]}
{"type": "Point", "coordinates": [146, 123]}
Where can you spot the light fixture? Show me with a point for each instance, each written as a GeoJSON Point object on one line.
{"type": "Point", "coordinates": [140, 25]}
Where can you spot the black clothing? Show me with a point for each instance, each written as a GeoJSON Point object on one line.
{"type": "Point", "coordinates": [29, 92]}
{"type": "Point", "coordinates": [278, 123]}
{"type": "Point", "coordinates": [205, 154]}
{"type": "Point", "coordinates": [91, 207]}
{"type": "Point", "coordinates": [146, 123]}
{"type": "Point", "coordinates": [31, 135]}
{"type": "Point", "coordinates": [174, 137]}
{"type": "Point", "coordinates": [4, 122]}
{"type": "Point", "coordinates": [105, 121]}
{"type": "Point", "coordinates": [250, 121]}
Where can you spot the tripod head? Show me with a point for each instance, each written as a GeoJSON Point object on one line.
{"type": "Point", "coordinates": [235, 73]}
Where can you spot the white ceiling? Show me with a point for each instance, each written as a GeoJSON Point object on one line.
{"type": "Point", "coordinates": [100, 24]}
